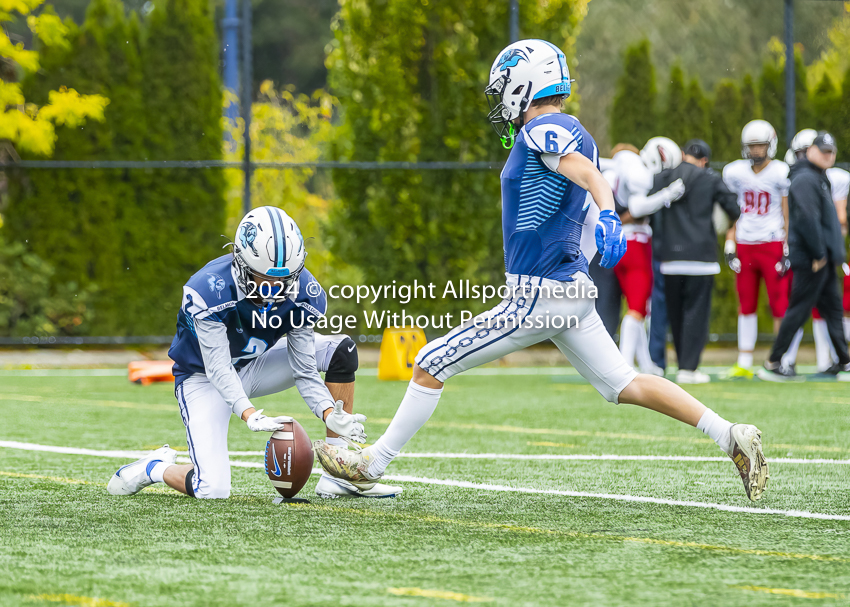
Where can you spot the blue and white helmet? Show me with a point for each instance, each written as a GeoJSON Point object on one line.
{"type": "Point", "coordinates": [524, 71]}
{"type": "Point", "coordinates": [268, 251]}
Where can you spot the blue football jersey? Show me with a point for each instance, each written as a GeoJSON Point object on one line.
{"type": "Point", "coordinates": [543, 211]}
{"type": "Point", "coordinates": [212, 294]}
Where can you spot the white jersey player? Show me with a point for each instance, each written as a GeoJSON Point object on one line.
{"type": "Point", "coordinates": [756, 248]}
{"type": "Point", "coordinates": [552, 165]}
{"type": "Point", "coordinates": [631, 181]}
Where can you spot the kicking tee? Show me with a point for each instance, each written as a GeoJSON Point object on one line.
{"type": "Point", "coordinates": [543, 212]}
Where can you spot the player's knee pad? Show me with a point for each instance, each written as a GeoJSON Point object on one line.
{"type": "Point", "coordinates": [190, 476]}
{"type": "Point", "coordinates": [343, 364]}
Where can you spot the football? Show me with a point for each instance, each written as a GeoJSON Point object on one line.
{"type": "Point", "coordinates": [289, 459]}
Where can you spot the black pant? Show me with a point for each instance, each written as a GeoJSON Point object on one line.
{"type": "Point", "coordinates": [688, 311]}
{"type": "Point", "coordinates": [608, 295]}
{"type": "Point", "coordinates": [810, 289]}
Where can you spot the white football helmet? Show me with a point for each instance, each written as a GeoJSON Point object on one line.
{"type": "Point", "coordinates": [758, 132]}
{"type": "Point", "coordinates": [524, 71]}
{"type": "Point", "coordinates": [661, 153]}
{"type": "Point", "coordinates": [801, 142]}
{"type": "Point", "coordinates": [268, 251]}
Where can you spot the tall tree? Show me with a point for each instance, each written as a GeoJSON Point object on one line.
{"type": "Point", "coordinates": [726, 122]}
{"type": "Point", "coordinates": [675, 113]}
{"type": "Point", "coordinates": [843, 131]}
{"type": "Point", "coordinates": [633, 111]}
{"type": "Point", "coordinates": [750, 106]}
{"type": "Point", "coordinates": [409, 76]}
{"type": "Point", "coordinates": [696, 113]}
{"type": "Point", "coordinates": [826, 106]}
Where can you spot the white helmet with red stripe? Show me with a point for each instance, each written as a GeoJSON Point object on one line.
{"type": "Point", "coordinates": [269, 251]}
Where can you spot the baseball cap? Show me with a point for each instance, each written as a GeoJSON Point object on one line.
{"type": "Point", "coordinates": [697, 148]}
{"type": "Point", "coordinates": [825, 142]}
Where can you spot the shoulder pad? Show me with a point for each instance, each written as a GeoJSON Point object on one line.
{"type": "Point", "coordinates": [558, 134]}
{"type": "Point", "coordinates": [211, 290]}
{"type": "Point", "coordinates": [311, 296]}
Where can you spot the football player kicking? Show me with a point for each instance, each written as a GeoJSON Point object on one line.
{"type": "Point", "coordinates": [245, 330]}
{"type": "Point", "coordinates": [552, 166]}
{"type": "Point", "coordinates": [756, 246]}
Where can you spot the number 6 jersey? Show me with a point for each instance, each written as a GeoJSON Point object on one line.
{"type": "Point", "coordinates": [760, 199]}
{"type": "Point", "coordinates": [543, 212]}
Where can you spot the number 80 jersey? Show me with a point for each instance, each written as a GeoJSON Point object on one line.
{"type": "Point", "coordinates": [760, 198]}
{"type": "Point", "coordinates": [543, 211]}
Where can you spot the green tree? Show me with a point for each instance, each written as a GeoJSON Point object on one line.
{"type": "Point", "coordinates": [843, 132]}
{"type": "Point", "coordinates": [726, 122]}
{"type": "Point", "coordinates": [410, 77]}
{"type": "Point", "coordinates": [633, 111]}
{"type": "Point", "coordinates": [750, 105]}
{"type": "Point", "coordinates": [675, 113]}
{"type": "Point", "coordinates": [825, 105]}
{"type": "Point", "coordinates": [772, 94]}
{"type": "Point", "coordinates": [28, 126]}
{"type": "Point", "coordinates": [696, 114]}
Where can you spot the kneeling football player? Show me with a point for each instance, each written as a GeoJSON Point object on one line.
{"type": "Point", "coordinates": [245, 330]}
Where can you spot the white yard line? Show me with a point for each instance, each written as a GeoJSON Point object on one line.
{"type": "Point", "coordinates": [480, 486]}
{"type": "Point", "coordinates": [437, 455]}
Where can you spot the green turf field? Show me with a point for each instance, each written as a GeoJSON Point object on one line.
{"type": "Point", "coordinates": [64, 540]}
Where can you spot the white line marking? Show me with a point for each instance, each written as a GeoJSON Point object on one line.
{"type": "Point", "coordinates": [493, 456]}
{"type": "Point", "coordinates": [469, 485]}
{"type": "Point", "coordinates": [586, 457]}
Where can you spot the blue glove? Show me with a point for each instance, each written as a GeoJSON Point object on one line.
{"type": "Point", "coordinates": [610, 241]}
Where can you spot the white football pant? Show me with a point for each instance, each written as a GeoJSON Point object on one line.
{"type": "Point", "coordinates": [206, 415]}
{"type": "Point", "coordinates": [529, 316]}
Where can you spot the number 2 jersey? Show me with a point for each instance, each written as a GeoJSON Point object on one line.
{"type": "Point", "coordinates": [543, 212]}
{"type": "Point", "coordinates": [219, 331]}
{"type": "Point", "coordinates": [760, 199]}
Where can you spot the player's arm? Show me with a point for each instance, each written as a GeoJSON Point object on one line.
{"type": "Point", "coordinates": [785, 216]}
{"type": "Point", "coordinates": [215, 351]}
{"type": "Point", "coordinates": [609, 230]}
{"type": "Point", "coordinates": [301, 349]}
{"type": "Point", "coordinates": [841, 209]}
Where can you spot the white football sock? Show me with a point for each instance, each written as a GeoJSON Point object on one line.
{"type": "Point", "coordinates": [629, 336]}
{"type": "Point", "coordinates": [789, 359]}
{"type": "Point", "coordinates": [847, 328]}
{"type": "Point", "coordinates": [157, 471]}
{"type": "Point", "coordinates": [415, 409]}
{"type": "Point", "coordinates": [748, 331]}
{"type": "Point", "coordinates": [717, 428]}
{"type": "Point", "coordinates": [823, 344]}
{"type": "Point", "coordinates": [644, 360]}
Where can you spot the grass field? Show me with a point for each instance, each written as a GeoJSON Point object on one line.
{"type": "Point", "coordinates": [494, 531]}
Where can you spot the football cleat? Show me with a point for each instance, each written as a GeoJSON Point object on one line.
{"type": "Point", "coordinates": [132, 478]}
{"type": "Point", "coordinates": [350, 465]}
{"type": "Point", "coordinates": [776, 372]}
{"type": "Point", "coordinates": [683, 376]}
{"type": "Point", "coordinates": [749, 459]}
{"type": "Point", "coordinates": [739, 372]}
{"type": "Point", "coordinates": [329, 487]}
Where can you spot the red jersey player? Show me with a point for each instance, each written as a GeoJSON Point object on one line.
{"type": "Point", "coordinates": [756, 247]}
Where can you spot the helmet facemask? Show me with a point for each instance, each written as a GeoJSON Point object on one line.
{"type": "Point", "coordinates": [500, 115]}
{"type": "Point", "coordinates": [756, 160]}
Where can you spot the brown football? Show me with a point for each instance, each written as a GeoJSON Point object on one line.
{"type": "Point", "coordinates": [289, 459]}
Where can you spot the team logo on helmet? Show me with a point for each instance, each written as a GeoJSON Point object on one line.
{"type": "Point", "coordinates": [511, 58]}
{"type": "Point", "coordinates": [247, 236]}
{"type": "Point", "coordinates": [216, 284]}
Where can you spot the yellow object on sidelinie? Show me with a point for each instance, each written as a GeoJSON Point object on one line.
{"type": "Point", "coordinates": [399, 348]}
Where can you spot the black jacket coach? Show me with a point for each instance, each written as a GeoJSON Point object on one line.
{"type": "Point", "coordinates": [685, 230]}
{"type": "Point", "coordinates": [814, 232]}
